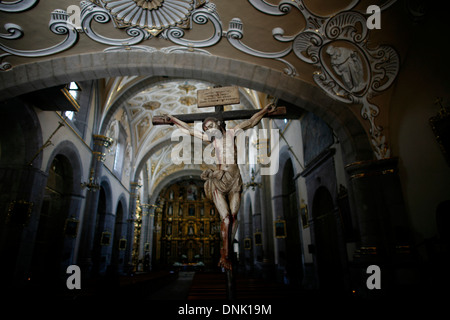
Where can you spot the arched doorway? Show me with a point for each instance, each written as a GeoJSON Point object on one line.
{"type": "Point", "coordinates": [101, 236]}
{"type": "Point", "coordinates": [329, 266]}
{"type": "Point", "coordinates": [294, 268]}
{"type": "Point", "coordinates": [49, 244]}
{"type": "Point", "coordinates": [247, 235]}
{"type": "Point", "coordinates": [119, 242]}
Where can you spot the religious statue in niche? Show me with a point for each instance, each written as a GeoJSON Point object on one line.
{"type": "Point", "coordinates": [191, 211]}
{"type": "Point", "coordinates": [191, 230]}
{"type": "Point", "coordinates": [192, 192]}
{"type": "Point", "coordinates": [224, 184]}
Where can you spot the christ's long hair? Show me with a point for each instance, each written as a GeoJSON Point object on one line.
{"type": "Point", "coordinates": [221, 123]}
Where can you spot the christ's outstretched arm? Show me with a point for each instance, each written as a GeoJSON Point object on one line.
{"type": "Point", "coordinates": [185, 128]}
{"type": "Point", "coordinates": [256, 118]}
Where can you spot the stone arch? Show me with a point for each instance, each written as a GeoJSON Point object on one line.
{"type": "Point", "coordinates": [52, 249]}
{"type": "Point", "coordinates": [179, 175]}
{"type": "Point", "coordinates": [284, 157]}
{"type": "Point", "coordinates": [70, 151]}
{"type": "Point", "coordinates": [326, 235]}
{"type": "Point", "coordinates": [106, 185]}
{"type": "Point", "coordinates": [247, 232]}
{"type": "Point", "coordinates": [120, 233]}
{"type": "Point", "coordinates": [21, 135]}
{"type": "Point", "coordinates": [103, 212]}
{"type": "Point", "coordinates": [348, 128]}
{"type": "Point", "coordinates": [152, 149]}
{"type": "Point", "coordinates": [291, 209]}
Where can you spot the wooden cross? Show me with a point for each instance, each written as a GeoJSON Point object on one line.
{"type": "Point", "coordinates": [218, 97]}
{"type": "Point", "coordinates": [225, 95]}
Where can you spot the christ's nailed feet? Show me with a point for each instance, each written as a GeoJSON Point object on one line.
{"type": "Point", "coordinates": [225, 263]}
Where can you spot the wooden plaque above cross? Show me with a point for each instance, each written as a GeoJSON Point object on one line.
{"type": "Point", "coordinates": [218, 97]}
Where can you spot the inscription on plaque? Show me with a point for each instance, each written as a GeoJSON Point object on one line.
{"type": "Point", "coordinates": [217, 96]}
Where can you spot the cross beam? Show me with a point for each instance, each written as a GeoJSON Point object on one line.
{"type": "Point", "coordinates": [279, 112]}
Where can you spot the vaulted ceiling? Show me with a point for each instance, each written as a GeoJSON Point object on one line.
{"type": "Point", "coordinates": [151, 145]}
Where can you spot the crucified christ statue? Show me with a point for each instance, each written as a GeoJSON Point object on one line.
{"type": "Point", "coordinates": [224, 184]}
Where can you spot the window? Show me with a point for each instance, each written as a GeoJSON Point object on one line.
{"type": "Point", "coordinates": [118, 160]}
{"type": "Point", "coordinates": [69, 115]}
{"type": "Point", "coordinates": [74, 90]}
{"type": "Point", "coordinates": [120, 152]}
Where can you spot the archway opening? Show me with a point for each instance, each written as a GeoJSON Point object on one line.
{"type": "Point", "coordinates": [294, 268]}
{"type": "Point", "coordinates": [49, 250]}
{"type": "Point", "coordinates": [119, 242]}
{"type": "Point", "coordinates": [101, 237]}
{"type": "Point", "coordinates": [329, 266]}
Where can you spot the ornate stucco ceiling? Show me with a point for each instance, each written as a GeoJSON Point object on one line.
{"type": "Point", "coordinates": [325, 43]}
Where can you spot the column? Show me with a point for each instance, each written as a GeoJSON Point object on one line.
{"type": "Point", "coordinates": [22, 189]}
{"type": "Point", "coordinates": [268, 263]}
{"type": "Point", "coordinates": [144, 235]}
{"type": "Point", "coordinates": [101, 143]}
{"type": "Point", "coordinates": [130, 250]}
{"type": "Point", "coordinates": [376, 193]}
{"type": "Point", "coordinates": [149, 235]}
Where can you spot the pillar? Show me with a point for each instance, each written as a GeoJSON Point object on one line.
{"type": "Point", "coordinates": [146, 209]}
{"type": "Point", "coordinates": [268, 262]}
{"type": "Point", "coordinates": [134, 186]}
{"type": "Point", "coordinates": [384, 239]}
{"type": "Point", "coordinates": [101, 143]}
{"type": "Point", "coordinates": [21, 196]}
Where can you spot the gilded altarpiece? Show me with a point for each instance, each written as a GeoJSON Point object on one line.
{"type": "Point", "coordinates": [187, 227]}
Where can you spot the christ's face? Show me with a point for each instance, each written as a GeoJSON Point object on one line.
{"type": "Point", "coordinates": [213, 129]}
{"type": "Point", "coordinates": [210, 125]}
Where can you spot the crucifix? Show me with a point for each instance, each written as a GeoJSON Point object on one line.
{"type": "Point", "coordinates": [223, 185]}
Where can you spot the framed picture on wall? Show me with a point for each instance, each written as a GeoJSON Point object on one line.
{"type": "Point", "coordinates": [71, 227]}
{"type": "Point", "coordinates": [280, 228]}
{"type": "Point", "coordinates": [440, 124]}
{"type": "Point", "coordinates": [258, 238]}
{"type": "Point", "coordinates": [304, 215]}
{"type": "Point", "coordinates": [106, 238]}
{"type": "Point", "coordinates": [247, 244]}
{"type": "Point", "coordinates": [122, 244]}
{"type": "Point", "coordinates": [19, 212]}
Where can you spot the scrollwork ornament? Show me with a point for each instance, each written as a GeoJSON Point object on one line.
{"type": "Point", "coordinates": [59, 24]}
{"type": "Point", "coordinates": [234, 36]}
{"type": "Point", "coordinates": [18, 5]}
{"type": "Point", "coordinates": [349, 71]}
{"type": "Point", "coordinates": [90, 12]}
{"type": "Point", "coordinates": [202, 15]}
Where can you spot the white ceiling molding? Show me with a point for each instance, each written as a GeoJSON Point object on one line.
{"type": "Point", "coordinates": [17, 6]}
{"type": "Point", "coordinates": [58, 25]}
{"type": "Point", "coordinates": [348, 69]}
